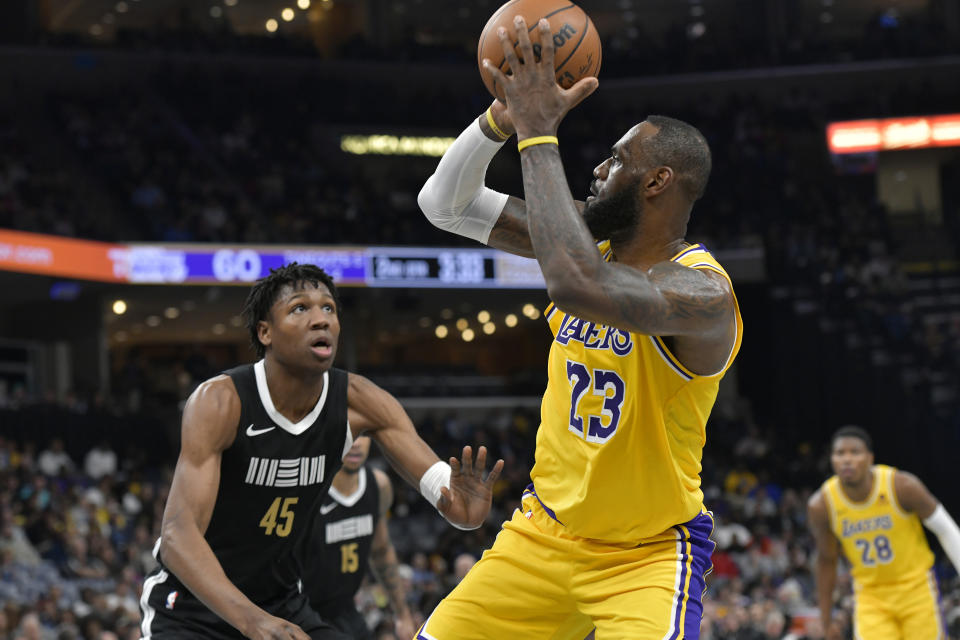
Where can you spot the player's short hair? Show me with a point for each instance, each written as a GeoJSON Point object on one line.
{"type": "Point", "coordinates": [853, 431]}
{"type": "Point", "coordinates": [264, 294]}
{"type": "Point", "coordinates": [684, 149]}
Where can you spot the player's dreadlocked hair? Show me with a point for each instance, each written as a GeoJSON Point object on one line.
{"type": "Point", "coordinates": [853, 431]}
{"type": "Point", "coordinates": [264, 294]}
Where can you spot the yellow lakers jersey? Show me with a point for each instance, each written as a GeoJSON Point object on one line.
{"type": "Point", "coordinates": [883, 543]}
{"type": "Point", "coordinates": [622, 426]}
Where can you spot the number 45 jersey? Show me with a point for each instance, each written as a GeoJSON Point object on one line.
{"type": "Point", "coordinates": [622, 426]}
{"type": "Point", "coordinates": [273, 478]}
{"type": "Point", "coordinates": [884, 544]}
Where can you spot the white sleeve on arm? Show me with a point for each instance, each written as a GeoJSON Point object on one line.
{"type": "Point", "coordinates": [454, 198]}
{"type": "Point", "coordinates": [947, 533]}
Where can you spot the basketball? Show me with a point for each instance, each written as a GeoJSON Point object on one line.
{"type": "Point", "coordinates": [576, 40]}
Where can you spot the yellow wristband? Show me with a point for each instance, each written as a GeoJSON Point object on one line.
{"type": "Point", "coordinates": [529, 142]}
{"type": "Point", "coordinates": [493, 125]}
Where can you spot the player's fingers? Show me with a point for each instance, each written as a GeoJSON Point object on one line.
{"type": "Point", "coordinates": [443, 503]}
{"type": "Point", "coordinates": [494, 473]}
{"type": "Point", "coordinates": [300, 634]}
{"type": "Point", "coordinates": [498, 77]}
{"type": "Point", "coordinates": [467, 460]}
{"type": "Point", "coordinates": [547, 49]}
{"type": "Point", "coordinates": [481, 464]}
{"type": "Point", "coordinates": [583, 88]}
{"type": "Point", "coordinates": [523, 41]}
{"type": "Point", "coordinates": [454, 467]}
{"type": "Point", "coordinates": [509, 53]}
{"type": "Point", "coordinates": [295, 632]}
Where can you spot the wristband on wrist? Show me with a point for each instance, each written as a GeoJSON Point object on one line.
{"type": "Point", "coordinates": [503, 135]}
{"type": "Point", "coordinates": [529, 142]}
{"type": "Point", "coordinates": [433, 479]}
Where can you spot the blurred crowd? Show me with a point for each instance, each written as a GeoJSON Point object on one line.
{"type": "Point", "coordinates": [710, 36]}
{"type": "Point", "coordinates": [252, 159]}
{"type": "Point", "coordinates": [257, 159]}
{"type": "Point", "coordinates": [77, 527]}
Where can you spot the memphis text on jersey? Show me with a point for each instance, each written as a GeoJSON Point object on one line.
{"type": "Point", "coordinates": [286, 472]}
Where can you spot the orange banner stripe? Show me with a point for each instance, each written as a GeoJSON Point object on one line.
{"type": "Point", "coordinates": [52, 255]}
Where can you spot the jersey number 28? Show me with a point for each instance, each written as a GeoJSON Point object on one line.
{"type": "Point", "coordinates": [883, 552]}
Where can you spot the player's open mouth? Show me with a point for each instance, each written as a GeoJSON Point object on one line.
{"type": "Point", "coordinates": [322, 348]}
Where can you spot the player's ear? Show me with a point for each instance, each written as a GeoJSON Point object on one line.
{"type": "Point", "coordinates": [263, 333]}
{"type": "Point", "coordinates": [658, 180]}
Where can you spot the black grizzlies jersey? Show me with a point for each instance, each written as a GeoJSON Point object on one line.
{"type": "Point", "coordinates": [272, 481]}
{"type": "Point", "coordinates": [340, 545]}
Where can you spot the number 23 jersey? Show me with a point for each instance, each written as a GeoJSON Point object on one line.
{"type": "Point", "coordinates": [622, 426]}
{"type": "Point", "coordinates": [883, 543]}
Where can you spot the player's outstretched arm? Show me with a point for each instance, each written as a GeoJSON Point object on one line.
{"type": "Point", "coordinates": [459, 490]}
{"type": "Point", "coordinates": [384, 563]}
{"type": "Point", "coordinates": [209, 427]}
{"type": "Point", "coordinates": [827, 555]}
{"type": "Point", "coordinates": [914, 496]}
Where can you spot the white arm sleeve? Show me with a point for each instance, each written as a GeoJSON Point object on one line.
{"type": "Point", "coordinates": [454, 198]}
{"type": "Point", "coordinates": [947, 533]}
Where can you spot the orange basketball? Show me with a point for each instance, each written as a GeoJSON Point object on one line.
{"type": "Point", "coordinates": [574, 36]}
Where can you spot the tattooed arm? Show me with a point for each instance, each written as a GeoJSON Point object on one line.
{"type": "Point", "coordinates": [383, 561]}
{"type": "Point", "coordinates": [694, 307]}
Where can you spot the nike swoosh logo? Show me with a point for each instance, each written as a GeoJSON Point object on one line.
{"type": "Point", "coordinates": [327, 508]}
{"type": "Point", "coordinates": [255, 432]}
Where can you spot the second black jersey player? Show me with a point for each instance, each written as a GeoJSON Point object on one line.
{"type": "Point", "coordinates": [351, 537]}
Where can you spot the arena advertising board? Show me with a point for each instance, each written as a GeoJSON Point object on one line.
{"type": "Point", "coordinates": [157, 263]}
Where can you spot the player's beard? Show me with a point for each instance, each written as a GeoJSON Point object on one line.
{"type": "Point", "coordinates": [615, 217]}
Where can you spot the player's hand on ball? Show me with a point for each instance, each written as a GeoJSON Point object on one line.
{"type": "Point", "coordinates": [535, 102]}
{"type": "Point", "coordinates": [467, 502]}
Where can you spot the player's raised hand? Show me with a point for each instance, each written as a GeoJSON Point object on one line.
{"type": "Point", "coordinates": [467, 502]}
{"type": "Point", "coordinates": [535, 102]}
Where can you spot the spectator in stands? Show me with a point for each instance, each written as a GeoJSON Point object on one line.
{"type": "Point", "coordinates": [100, 461]}
{"type": "Point", "coordinates": [54, 460]}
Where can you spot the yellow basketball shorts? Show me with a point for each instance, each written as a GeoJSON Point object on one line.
{"type": "Point", "coordinates": [540, 582]}
{"type": "Point", "coordinates": [909, 611]}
